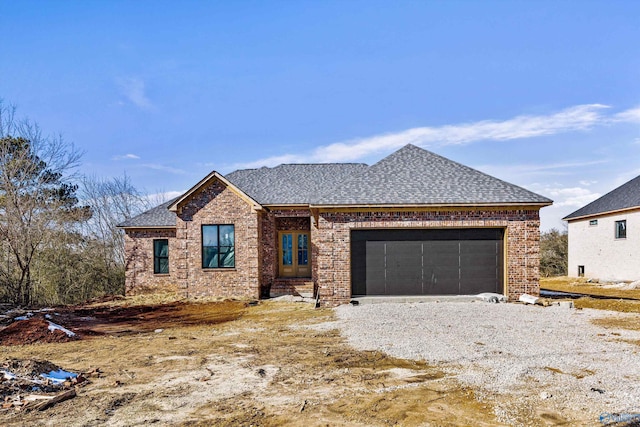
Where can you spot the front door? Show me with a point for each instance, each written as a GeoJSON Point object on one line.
{"type": "Point", "coordinates": [294, 254]}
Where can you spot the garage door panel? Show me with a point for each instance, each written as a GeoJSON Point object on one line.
{"type": "Point", "coordinates": [441, 249]}
{"type": "Point", "coordinates": [375, 268]}
{"type": "Point", "coordinates": [442, 281]}
{"type": "Point", "coordinates": [475, 281]}
{"type": "Point", "coordinates": [403, 268]}
{"type": "Point", "coordinates": [425, 261]}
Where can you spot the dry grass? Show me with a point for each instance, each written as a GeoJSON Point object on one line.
{"type": "Point", "coordinates": [574, 285]}
{"type": "Point", "coordinates": [257, 365]}
{"type": "Point", "coordinates": [623, 306]}
{"type": "Point", "coordinates": [580, 285]}
{"type": "Point", "coordinates": [631, 323]}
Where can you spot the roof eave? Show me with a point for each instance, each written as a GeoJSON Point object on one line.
{"type": "Point", "coordinates": [125, 227]}
{"type": "Point", "coordinates": [286, 205]}
{"type": "Point", "coordinates": [570, 218]}
{"type": "Point", "coordinates": [428, 205]}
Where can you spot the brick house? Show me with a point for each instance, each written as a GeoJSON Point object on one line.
{"type": "Point", "coordinates": [414, 223]}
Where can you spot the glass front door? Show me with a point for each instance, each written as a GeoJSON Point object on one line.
{"type": "Point", "coordinates": [294, 254]}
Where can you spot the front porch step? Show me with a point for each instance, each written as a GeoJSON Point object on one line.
{"type": "Point", "coordinates": [295, 286]}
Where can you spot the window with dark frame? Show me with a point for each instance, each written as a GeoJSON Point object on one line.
{"type": "Point", "coordinates": [621, 229]}
{"type": "Point", "coordinates": [593, 222]}
{"type": "Point", "coordinates": [218, 246]}
{"type": "Point", "coordinates": [161, 256]}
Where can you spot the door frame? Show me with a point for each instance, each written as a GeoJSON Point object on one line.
{"type": "Point", "coordinates": [295, 270]}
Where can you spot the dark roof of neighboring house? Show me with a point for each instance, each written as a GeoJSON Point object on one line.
{"type": "Point", "coordinates": [159, 216]}
{"type": "Point", "coordinates": [413, 175]}
{"type": "Point", "coordinates": [293, 184]}
{"type": "Point", "coordinates": [410, 176]}
{"type": "Point", "coordinates": [624, 197]}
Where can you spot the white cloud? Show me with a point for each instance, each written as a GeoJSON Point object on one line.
{"type": "Point", "coordinates": [575, 197]}
{"type": "Point", "coordinates": [126, 157]}
{"type": "Point", "coordinates": [576, 118]}
{"type": "Point", "coordinates": [565, 201]}
{"type": "Point", "coordinates": [163, 196]}
{"type": "Point", "coordinates": [520, 170]}
{"type": "Point", "coordinates": [272, 161]}
{"type": "Point", "coordinates": [134, 90]}
{"type": "Point", "coordinates": [632, 116]}
{"type": "Point", "coordinates": [624, 177]}
{"type": "Point", "coordinates": [587, 183]}
{"type": "Point", "coordinates": [164, 168]}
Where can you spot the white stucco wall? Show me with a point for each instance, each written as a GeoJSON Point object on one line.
{"type": "Point", "coordinates": [603, 256]}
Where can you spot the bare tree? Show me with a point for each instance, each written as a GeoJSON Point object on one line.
{"type": "Point", "coordinates": [37, 198]}
{"type": "Point", "coordinates": [112, 201]}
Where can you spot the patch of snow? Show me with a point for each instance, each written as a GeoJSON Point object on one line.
{"type": "Point", "coordinates": [55, 326]}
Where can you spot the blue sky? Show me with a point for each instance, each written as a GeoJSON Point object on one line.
{"type": "Point", "coordinates": [543, 94]}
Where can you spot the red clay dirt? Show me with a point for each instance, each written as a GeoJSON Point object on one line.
{"type": "Point", "coordinates": [88, 321]}
{"type": "Point", "coordinates": [30, 331]}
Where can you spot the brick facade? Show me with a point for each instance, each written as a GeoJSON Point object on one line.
{"type": "Point", "coordinates": [256, 246]}
{"type": "Point", "coordinates": [139, 276]}
{"type": "Point", "coordinates": [332, 239]}
{"type": "Point", "coordinates": [215, 204]}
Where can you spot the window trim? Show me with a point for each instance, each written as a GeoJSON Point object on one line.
{"type": "Point", "coordinates": [202, 246]}
{"type": "Point", "coordinates": [157, 257]}
{"type": "Point", "coordinates": [618, 235]}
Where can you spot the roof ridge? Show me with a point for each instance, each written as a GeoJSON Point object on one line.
{"type": "Point", "coordinates": [377, 179]}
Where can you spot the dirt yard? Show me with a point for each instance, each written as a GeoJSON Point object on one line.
{"type": "Point", "coordinates": [232, 363]}
{"type": "Point", "coordinates": [200, 363]}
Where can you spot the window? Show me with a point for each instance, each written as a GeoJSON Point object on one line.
{"type": "Point", "coordinates": [218, 246]}
{"type": "Point", "coordinates": [621, 229]}
{"type": "Point", "coordinates": [161, 256]}
{"type": "Point", "coordinates": [581, 271]}
{"type": "Point", "coordinates": [593, 222]}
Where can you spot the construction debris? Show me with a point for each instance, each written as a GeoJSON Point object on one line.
{"type": "Point", "coordinates": [528, 299]}
{"type": "Point", "coordinates": [27, 385]}
{"type": "Point", "coordinates": [492, 297]}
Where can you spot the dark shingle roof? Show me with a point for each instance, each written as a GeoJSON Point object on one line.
{"type": "Point", "coordinates": [413, 175]}
{"type": "Point", "coordinates": [624, 197]}
{"type": "Point", "coordinates": [159, 216]}
{"type": "Point", "coordinates": [410, 176]}
{"type": "Point", "coordinates": [293, 183]}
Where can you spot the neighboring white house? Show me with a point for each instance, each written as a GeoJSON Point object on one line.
{"type": "Point", "coordinates": [604, 236]}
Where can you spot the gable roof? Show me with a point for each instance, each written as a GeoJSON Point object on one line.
{"type": "Point", "coordinates": [414, 176]}
{"type": "Point", "coordinates": [158, 217]}
{"type": "Point", "coordinates": [410, 176]}
{"type": "Point", "coordinates": [214, 176]}
{"type": "Point", "coordinates": [627, 196]}
{"type": "Point", "coordinates": [293, 184]}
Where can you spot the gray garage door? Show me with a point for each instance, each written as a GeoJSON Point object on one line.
{"type": "Point", "coordinates": [427, 262]}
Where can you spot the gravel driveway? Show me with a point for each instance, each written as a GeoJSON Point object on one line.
{"type": "Point", "coordinates": [519, 357]}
